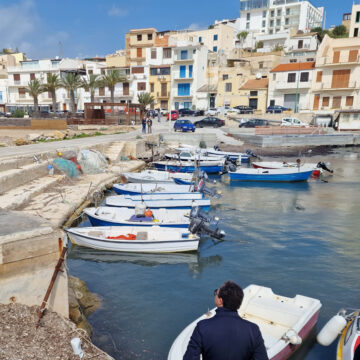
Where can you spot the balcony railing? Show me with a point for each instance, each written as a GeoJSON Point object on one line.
{"type": "Point", "coordinates": [282, 85]}
{"type": "Point", "coordinates": [179, 58]}
{"type": "Point", "coordinates": [329, 61]}
{"type": "Point", "coordinates": [163, 94]}
{"type": "Point", "coordinates": [344, 85]}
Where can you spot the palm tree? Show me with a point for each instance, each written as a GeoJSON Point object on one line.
{"type": "Point", "coordinates": [35, 88]}
{"type": "Point", "coordinates": [112, 78]}
{"type": "Point", "coordinates": [91, 84]}
{"type": "Point", "coordinates": [145, 99]}
{"type": "Point", "coordinates": [242, 35]}
{"type": "Point", "coordinates": [53, 83]}
{"type": "Point", "coordinates": [71, 82]}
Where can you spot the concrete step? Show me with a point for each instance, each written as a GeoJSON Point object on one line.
{"type": "Point", "coordinates": [20, 161]}
{"type": "Point", "coordinates": [22, 195]}
{"type": "Point", "coordinates": [115, 151]}
{"type": "Point", "coordinates": [13, 178]}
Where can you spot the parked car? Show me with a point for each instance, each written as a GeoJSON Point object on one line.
{"type": "Point", "coordinates": [224, 110]}
{"type": "Point", "coordinates": [184, 125]}
{"type": "Point", "coordinates": [251, 123]}
{"type": "Point", "coordinates": [174, 115]}
{"type": "Point", "coordinates": [162, 111]}
{"type": "Point", "coordinates": [276, 109]}
{"type": "Point", "coordinates": [209, 121]}
{"type": "Point", "coordinates": [242, 109]}
{"type": "Point", "coordinates": [213, 112]}
{"type": "Point", "coordinates": [291, 121]}
{"type": "Point", "coordinates": [183, 112]}
{"type": "Point", "coordinates": [199, 113]}
{"type": "Point", "coordinates": [2, 114]}
{"type": "Point", "coordinates": [152, 113]}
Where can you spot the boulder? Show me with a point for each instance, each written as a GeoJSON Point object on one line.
{"type": "Point", "coordinates": [20, 141]}
{"type": "Point", "coordinates": [34, 136]}
{"type": "Point", "coordinates": [57, 135]}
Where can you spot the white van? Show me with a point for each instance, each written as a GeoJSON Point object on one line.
{"type": "Point", "coordinates": [291, 121]}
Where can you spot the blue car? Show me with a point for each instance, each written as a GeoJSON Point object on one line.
{"type": "Point", "coordinates": [184, 125]}
{"type": "Point", "coordinates": [276, 109]}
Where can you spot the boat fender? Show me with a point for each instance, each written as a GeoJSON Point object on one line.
{"type": "Point", "coordinates": [331, 330]}
{"type": "Point", "coordinates": [292, 337]}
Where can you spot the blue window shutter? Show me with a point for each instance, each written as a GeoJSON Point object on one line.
{"type": "Point", "coordinates": [190, 71]}
{"type": "Point", "coordinates": [186, 89]}
{"type": "Point", "coordinates": [184, 54]}
{"type": "Point", "coordinates": [215, 37]}
{"type": "Point", "coordinates": [215, 49]}
{"type": "Point", "coordinates": [200, 39]}
{"type": "Point", "coordinates": [182, 71]}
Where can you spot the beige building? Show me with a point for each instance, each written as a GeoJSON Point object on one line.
{"type": "Point", "coordinates": [355, 21]}
{"type": "Point", "coordinates": [221, 37]}
{"type": "Point", "coordinates": [336, 82]}
{"type": "Point", "coordinates": [254, 94]}
{"type": "Point", "coordinates": [159, 85]}
{"type": "Point", "coordinates": [117, 60]}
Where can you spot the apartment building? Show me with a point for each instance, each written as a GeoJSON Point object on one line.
{"type": "Point", "coordinates": [302, 47]}
{"type": "Point", "coordinates": [254, 94]}
{"type": "Point", "coordinates": [20, 76]}
{"type": "Point", "coordinates": [355, 21]}
{"type": "Point", "coordinates": [188, 74]}
{"type": "Point", "coordinates": [160, 60]}
{"type": "Point", "coordinates": [336, 82]}
{"type": "Point", "coordinates": [290, 85]}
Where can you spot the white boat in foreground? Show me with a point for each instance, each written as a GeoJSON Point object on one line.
{"type": "Point", "coordinates": [284, 322]}
{"type": "Point", "coordinates": [285, 165]}
{"type": "Point", "coordinates": [180, 196]}
{"type": "Point", "coordinates": [138, 189]}
{"type": "Point", "coordinates": [156, 176]}
{"type": "Point", "coordinates": [134, 239]}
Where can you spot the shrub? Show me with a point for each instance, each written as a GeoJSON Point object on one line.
{"type": "Point", "coordinates": [18, 113]}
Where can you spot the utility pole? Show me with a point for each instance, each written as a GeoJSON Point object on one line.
{"type": "Point", "coordinates": [297, 92]}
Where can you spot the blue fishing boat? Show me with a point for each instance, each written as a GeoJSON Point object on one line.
{"type": "Point", "coordinates": [138, 189]}
{"type": "Point", "coordinates": [210, 167]}
{"type": "Point", "coordinates": [271, 175]}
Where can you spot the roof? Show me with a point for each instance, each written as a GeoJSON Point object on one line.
{"type": "Point", "coordinates": [294, 66]}
{"type": "Point", "coordinates": [208, 88]}
{"type": "Point", "coordinates": [304, 34]}
{"type": "Point", "coordinates": [256, 84]}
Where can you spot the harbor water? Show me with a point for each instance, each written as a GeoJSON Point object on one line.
{"type": "Point", "coordinates": [300, 238]}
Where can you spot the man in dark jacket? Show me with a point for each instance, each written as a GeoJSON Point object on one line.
{"type": "Point", "coordinates": [226, 336]}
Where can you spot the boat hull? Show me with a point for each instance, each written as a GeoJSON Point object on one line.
{"type": "Point", "coordinates": [131, 189]}
{"type": "Point", "coordinates": [189, 168]}
{"type": "Point", "coordinates": [290, 177]}
{"type": "Point", "coordinates": [278, 165]}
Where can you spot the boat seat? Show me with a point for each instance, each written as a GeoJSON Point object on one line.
{"type": "Point", "coordinates": [141, 235]}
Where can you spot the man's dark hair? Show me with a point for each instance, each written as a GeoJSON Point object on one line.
{"type": "Point", "coordinates": [232, 295]}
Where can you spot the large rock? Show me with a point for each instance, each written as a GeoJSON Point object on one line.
{"type": "Point", "coordinates": [34, 136]}
{"type": "Point", "coordinates": [20, 141]}
{"type": "Point", "coordinates": [57, 135]}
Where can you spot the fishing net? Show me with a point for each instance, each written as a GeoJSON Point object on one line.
{"type": "Point", "coordinates": [67, 167]}
{"type": "Point", "coordinates": [92, 161]}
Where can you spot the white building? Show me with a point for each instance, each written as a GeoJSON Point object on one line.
{"type": "Point", "coordinates": [188, 74]}
{"type": "Point", "coordinates": [290, 86]}
{"type": "Point", "coordinates": [302, 47]}
{"type": "Point", "coordinates": [273, 16]}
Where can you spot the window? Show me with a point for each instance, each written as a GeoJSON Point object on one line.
{"type": "Point", "coordinates": [304, 77]}
{"type": "Point", "coordinates": [288, 11]}
{"type": "Point", "coordinates": [139, 37]}
{"type": "Point", "coordinates": [336, 102]}
{"type": "Point", "coordinates": [356, 32]}
{"type": "Point", "coordinates": [336, 56]}
{"type": "Point", "coordinates": [32, 76]}
{"type": "Point", "coordinates": [90, 72]}
{"type": "Point", "coordinates": [184, 55]}
{"type": "Point", "coordinates": [139, 52]}
{"type": "Point", "coordinates": [200, 39]}
{"type": "Point", "coordinates": [325, 101]}
{"type": "Point", "coordinates": [152, 87]}
{"type": "Point", "coordinates": [353, 55]}
{"type": "Point", "coordinates": [272, 13]}
{"type": "Point", "coordinates": [225, 76]}
{"type": "Point", "coordinates": [349, 101]}
{"type": "Point", "coordinates": [167, 53]}
{"type": "Point", "coordinates": [277, 22]}
{"type": "Point", "coordinates": [228, 87]}
{"type": "Point", "coordinates": [247, 26]}
{"type": "Point", "coordinates": [248, 16]}
{"type": "Point", "coordinates": [274, 77]}
{"type": "Point", "coordinates": [215, 37]}
{"type": "Point", "coordinates": [264, 23]}
{"type": "Point", "coordinates": [253, 93]}
{"type": "Point", "coordinates": [310, 59]}
{"type": "Point", "coordinates": [137, 70]}
{"type": "Point", "coordinates": [22, 92]}
{"type": "Point", "coordinates": [271, 23]}
{"type": "Point", "coordinates": [264, 14]}
{"type": "Point", "coordinates": [261, 64]}
{"type": "Point", "coordinates": [215, 49]}
{"type": "Point", "coordinates": [16, 77]}
{"type": "Point", "coordinates": [277, 29]}
{"type": "Point", "coordinates": [101, 91]}
{"type": "Point", "coordinates": [126, 88]}
{"type": "Point", "coordinates": [357, 16]}
{"type": "Point", "coordinates": [300, 44]}
{"type": "Point", "coordinates": [149, 36]}
{"type": "Point", "coordinates": [271, 31]}
{"type": "Point", "coordinates": [182, 71]}
{"type": "Point", "coordinates": [287, 21]}
{"type": "Point", "coordinates": [293, 60]}
{"type": "Point", "coordinates": [319, 76]}
{"type": "Point", "coordinates": [160, 71]}
{"type": "Point", "coordinates": [141, 86]}
{"type": "Point", "coordinates": [291, 77]}
{"type": "Point", "coordinates": [190, 71]}
{"type": "Point", "coordinates": [279, 12]}
{"type": "Point", "coordinates": [183, 89]}
{"type": "Point", "coordinates": [153, 53]}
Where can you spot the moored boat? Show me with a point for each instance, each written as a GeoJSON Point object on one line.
{"type": "Point", "coordinates": [284, 165]}
{"type": "Point", "coordinates": [284, 322]}
{"type": "Point", "coordinates": [134, 239]}
{"type": "Point", "coordinates": [271, 175]}
{"type": "Point", "coordinates": [179, 196]}
{"type": "Point", "coordinates": [113, 216]}
{"type": "Point", "coordinates": [156, 176]}
{"type": "Point", "coordinates": [211, 167]}
{"type": "Point", "coordinates": [153, 188]}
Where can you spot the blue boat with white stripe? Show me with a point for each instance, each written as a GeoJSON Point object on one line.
{"type": "Point", "coordinates": [210, 167]}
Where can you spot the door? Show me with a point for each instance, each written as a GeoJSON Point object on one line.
{"type": "Point", "coordinates": [289, 101]}
{"type": "Point", "coordinates": [182, 71]}
{"type": "Point", "coordinates": [272, 102]}
{"type": "Point", "coordinates": [125, 88]}
{"type": "Point", "coordinates": [253, 103]}
{"type": "Point", "coordinates": [336, 57]}
{"type": "Point", "coordinates": [164, 89]}
{"type": "Point", "coordinates": [316, 102]}
{"type": "Point", "coordinates": [212, 101]}
{"type": "Point", "coordinates": [64, 107]}
{"type": "Point", "coordinates": [340, 79]}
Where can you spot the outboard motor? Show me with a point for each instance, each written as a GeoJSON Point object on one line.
{"type": "Point", "coordinates": [198, 226]}
{"type": "Point", "coordinates": [322, 165]}
{"type": "Point", "coordinates": [229, 160]}
{"type": "Point", "coordinates": [250, 153]}
{"type": "Point", "coordinates": [216, 147]}
{"type": "Point", "coordinates": [232, 167]}
{"type": "Point", "coordinates": [197, 212]}
{"type": "Point", "coordinates": [205, 190]}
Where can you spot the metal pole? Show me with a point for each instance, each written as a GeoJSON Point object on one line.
{"type": "Point", "coordinates": [297, 92]}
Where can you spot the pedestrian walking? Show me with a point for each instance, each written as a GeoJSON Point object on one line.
{"type": "Point", "coordinates": [149, 124]}
{"type": "Point", "coordinates": [143, 123]}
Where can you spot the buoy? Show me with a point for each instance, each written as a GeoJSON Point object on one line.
{"type": "Point", "coordinates": [331, 330]}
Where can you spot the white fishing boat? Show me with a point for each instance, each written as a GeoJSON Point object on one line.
{"type": "Point", "coordinates": [180, 196]}
{"type": "Point", "coordinates": [156, 176]}
{"type": "Point", "coordinates": [347, 325]}
{"type": "Point", "coordinates": [285, 165]}
{"type": "Point", "coordinates": [114, 216]}
{"type": "Point", "coordinates": [284, 322]}
{"type": "Point", "coordinates": [154, 239]}
{"type": "Point", "coordinates": [121, 201]}
{"type": "Point", "coordinates": [188, 156]}
{"type": "Point", "coordinates": [211, 167]}
{"type": "Point", "coordinates": [153, 188]}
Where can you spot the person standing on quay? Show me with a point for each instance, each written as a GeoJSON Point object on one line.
{"type": "Point", "coordinates": [149, 124]}
{"type": "Point", "coordinates": [226, 336]}
{"type": "Point", "coordinates": [143, 123]}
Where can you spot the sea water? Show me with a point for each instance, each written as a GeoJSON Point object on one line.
{"type": "Point", "coordinates": [299, 238]}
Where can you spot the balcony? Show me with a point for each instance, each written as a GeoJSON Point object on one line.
{"type": "Point", "coordinates": [163, 95]}
{"type": "Point", "coordinates": [188, 96]}
{"type": "Point", "coordinates": [177, 77]}
{"type": "Point", "coordinates": [282, 85]}
{"type": "Point", "coordinates": [179, 59]}
{"type": "Point", "coordinates": [328, 61]}
{"type": "Point", "coordinates": [329, 86]}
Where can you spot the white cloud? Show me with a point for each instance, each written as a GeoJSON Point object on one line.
{"type": "Point", "coordinates": [195, 26]}
{"type": "Point", "coordinates": [116, 11]}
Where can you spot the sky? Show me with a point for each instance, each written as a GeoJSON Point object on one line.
{"type": "Point", "coordinates": [87, 28]}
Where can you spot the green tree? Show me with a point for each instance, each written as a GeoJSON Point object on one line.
{"type": "Point", "coordinates": [35, 88]}
{"type": "Point", "coordinates": [321, 32]}
{"type": "Point", "coordinates": [91, 83]}
{"type": "Point", "coordinates": [71, 82]}
{"type": "Point", "coordinates": [259, 45]}
{"type": "Point", "coordinates": [340, 31]}
{"type": "Point", "coordinates": [278, 47]}
{"type": "Point", "coordinates": [242, 35]}
{"type": "Point", "coordinates": [53, 83]}
{"type": "Point", "coordinates": [110, 80]}
{"type": "Point", "coordinates": [145, 99]}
